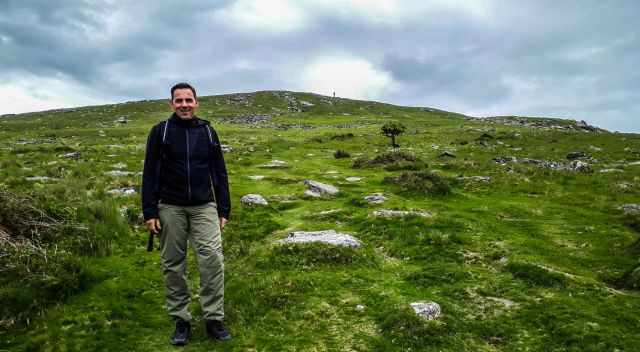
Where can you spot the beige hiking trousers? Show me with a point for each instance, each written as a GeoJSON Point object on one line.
{"type": "Point", "coordinates": [198, 225]}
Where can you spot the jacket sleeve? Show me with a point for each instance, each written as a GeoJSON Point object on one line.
{"type": "Point", "coordinates": [220, 179]}
{"type": "Point", "coordinates": [151, 174]}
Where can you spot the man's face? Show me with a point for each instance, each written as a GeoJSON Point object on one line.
{"type": "Point", "coordinates": [183, 103]}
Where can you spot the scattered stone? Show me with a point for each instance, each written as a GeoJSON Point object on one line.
{"type": "Point", "coordinates": [72, 155]}
{"type": "Point", "coordinates": [353, 179]}
{"type": "Point", "coordinates": [376, 198]}
{"type": "Point", "coordinates": [505, 302]}
{"type": "Point", "coordinates": [327, 236]}
{"type": "Point", "coordinates": [275, 164]}
{"type": "Point", "coordinates": [226, 148]}
{"type": "Point", "coordinates": [306, 103]}
{"type": "Point", "coordinates": [580, 166]}
{"type": "Point", "coordinates": [577, 155]}
{"type": "Point", "coordinates": [122, 119]}
{"type": "Point", "coordinates": [386, 213]}
{"type": "Point", "coordinates": [117, 173]}
{"type": "Point", "coordinates": [332, 172]}
{"type": "Point", "coordinates": [611, 170]}
{"type": "Point", "coordinates": [320, 188]}
{"type": "Point", "coordinates": [624, 186]}
{"type": "Point", "coordinates": [630, 209]}
{"type": "Point", "coordinates": [484, 179]}
{"type": "Point", "coordinates": [634, 163]}
{"type": "Point", "coordinates": [360, 308]}
{"type": "Point", "coordinates": [503, 160]}
{"type": "Point", "coordinates": [447, 154]}
{"type": "Point", "coordinates": [595, 149]}
{"type": "Point", "coordinates": [251, 199]}
{"type": "Point", "coordinates": [313, 194]}
{"type": "Point", "coordinates": [427, 310]}
{"type": "Point", "coordinates": [119, 166]}
{"type": "Point", "coordinates": [256, 177]}
{"type": "Point", "coordinates": [41, 178]}
{"type": "Point", "coordinates": [125, 191]}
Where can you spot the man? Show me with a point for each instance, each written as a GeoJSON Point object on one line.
{"type": "Point", "coordinates": [185, 198]}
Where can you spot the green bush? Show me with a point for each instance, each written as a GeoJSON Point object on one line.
{"type": "Point", "coordinates": [421, 183]}
{"type": "Point", "coordinates": [391, 161]}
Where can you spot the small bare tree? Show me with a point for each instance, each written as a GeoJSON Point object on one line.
{"type": "Point", "coordinates": [391, 130]}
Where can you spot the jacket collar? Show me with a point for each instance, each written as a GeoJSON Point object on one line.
{"type": "Point", "coordinates": [193, 122]}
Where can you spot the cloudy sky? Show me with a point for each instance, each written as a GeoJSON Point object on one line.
{"type": "Point", "coordinates": [568, 59]}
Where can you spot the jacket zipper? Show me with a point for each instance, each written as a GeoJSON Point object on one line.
{"type": "Point", "coordinates": [188, 167]}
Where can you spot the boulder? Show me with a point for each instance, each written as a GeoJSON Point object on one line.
{"type": "Point", "coordinates": [375, 198]}
{"type": "Point", "coordinates": [327, 236]}
{"type": "Point", "coordinates": [226, 148]}
{"type": "Point", "coordinates": [125, 191]}
{"type": "Point", "coordinates": [320, 188]}
{"type": "Point", "coordinates": [275, 164]}
{"type": "Point", "coordinates": [253, 199]}
{"type": "Point", "coordinates": [484, 179]}
{"type": "Point", "coordinates": [117, 173]}
{"type": "Point", "coordinates": [446, 154]}
{"type": "Point", "coordinates": [427, 310]}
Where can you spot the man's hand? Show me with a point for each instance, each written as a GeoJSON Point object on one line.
{"type": "Point", "coordinates": [223, 221]}
{"type": "Point", "coordinates": [153, 225]}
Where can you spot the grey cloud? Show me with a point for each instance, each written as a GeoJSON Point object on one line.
{"type": "Point", "coordinates": [579, 56]}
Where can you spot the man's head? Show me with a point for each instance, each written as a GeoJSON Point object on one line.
{"type": "Point", "coordinates": [183, 100]}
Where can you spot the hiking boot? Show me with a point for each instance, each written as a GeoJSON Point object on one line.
{"type": "Point", "coordinates": [217, 331]}
{"type": "Point", "coordinates": [181, 335]}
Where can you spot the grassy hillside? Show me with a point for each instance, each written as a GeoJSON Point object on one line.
{"type": "Point", "coordinates": [531, 256]}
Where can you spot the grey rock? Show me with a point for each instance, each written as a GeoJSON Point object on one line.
{"type": "Point", "coordinates": [41, 178]}
{"type": "Point", "coordinates": [321, 188]}
{"type": "Point", "coordinates": [117, 173]}
{"type": "Point", "coordinates": [256, 177]}
{"type": "Point", "coordinates": [119, 166]}
{"type": "Point", "coordinates": [275, 164]}
{"type": "Point", "coordinates": [125, 191]}
{"type": "Point", "coordinates": [630, 209]}
{"type": "Point", "coordinates": [226, 148]}
{"type": "Point", "coordinates": [624, 185]}
{"type": "Point", "coordinates": [72, 155]}
{"type": "Point", "coordinates": [375, 198]}
{"type": "Point", "coordinates": [327, 236]}
{"type": "Point", "coordinates": [503, 160]}
{"type": "Point", "coordinates": [607, 171]}
{"type": "Point", "coordinates": [386, 213]}
{"type": "Point", "coordinates": [484, 179]}
{"type": "Point", "coordinates": [122, 119]}
{"type": "Point", "coordinates": [427, 310]}
{"type": "Point", "coordinates": [578, 165]}
{"type": "Point", "coordinates": [353, 179]}
{"type": "Point", "coordinates": [446, 154]}
{"type": "Point", "coordinates": [577, 155]}
{"type": "Point", "coordinates": [253, 199]}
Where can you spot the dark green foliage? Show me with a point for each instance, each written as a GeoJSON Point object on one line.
{"type": "Point", "coordinates": [421, 183]}
{"type": "Point", "coordinates": [536, 275]}
{"type": "Point", "coordinates": [333, 137]}
{"type": "Point", "coordinates": [631, 279]}
{"type": "Point", "coordinates": [311, 255]}
{"type": "Point", "coordinates": [391, 130]}
{"type": "Point", "coordinates": [339, 154]}
{"type": "Point", "coordinates": [391, 161]}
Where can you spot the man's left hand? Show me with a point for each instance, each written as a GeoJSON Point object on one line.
{"type": "Point", "coordinates": [223, 221]}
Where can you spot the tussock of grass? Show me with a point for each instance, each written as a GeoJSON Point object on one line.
{"type": "Point", "coordinates": [421, 183]}
{"type": "Point", "coordinates": [391, 161]}
{"type": "Point", "coordinates": [311, 255]}
{"type": "Point", "coordinates": [536, 275]}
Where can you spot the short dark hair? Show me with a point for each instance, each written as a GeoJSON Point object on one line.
{"type": "Point", "coordinates": [183, 85]}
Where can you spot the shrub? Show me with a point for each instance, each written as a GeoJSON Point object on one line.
{"type": "Point", "coordinates": [391, 130]}
{"type": "Point", "coordinates": [339, 154]}
{"type": "Point", "coordinates": [392, 161]}
{"type": "Point", "coordinates": [421, 182]}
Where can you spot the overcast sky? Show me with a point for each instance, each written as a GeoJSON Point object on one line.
{"type": "Point", "coordinates": [568, 59]}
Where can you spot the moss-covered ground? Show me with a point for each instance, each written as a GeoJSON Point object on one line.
{"type": "Point", "coordinates": [533, 260]}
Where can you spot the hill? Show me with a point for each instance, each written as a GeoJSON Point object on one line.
{"type": "Point", "coordinates": [523, 230]}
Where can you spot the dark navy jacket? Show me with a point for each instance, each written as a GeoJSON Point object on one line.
{"type": "Point", "coordinates": [184, 168]}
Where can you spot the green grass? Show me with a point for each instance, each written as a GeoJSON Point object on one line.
{"type": "Point", "coordinates": [554, 243]}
